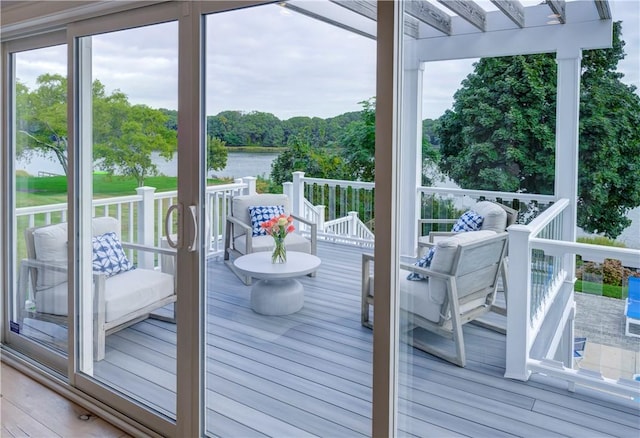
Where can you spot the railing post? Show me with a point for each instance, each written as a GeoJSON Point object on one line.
{"type": "Point", "coordinates": [145, 225]}
{"type": "Point", "coordinates": [519, 303]}
{"type": "Point", "coordinates": [353, 219]}
{"type": "Point", "coordinates": [287, 189]}
{"type": "Point", "coordinates": [297, 200]}
{"type": "Point", "coordinates": [321, 211]}
{"type": "Point", "coordinates": [250, 181]}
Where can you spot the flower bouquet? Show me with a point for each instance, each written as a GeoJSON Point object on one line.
{"type": "Point", "coordinates": [278, 227]}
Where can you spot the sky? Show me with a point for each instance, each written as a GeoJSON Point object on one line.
{"type": "Point", "coordinates": [274, 60]}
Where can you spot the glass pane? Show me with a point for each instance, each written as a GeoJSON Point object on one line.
{"type": "Point", "coordinates": [286, 356]}
{"type": "Point", "coordinates": [38, 304]}
{"type": "Point", "coordinates": [127, 160]}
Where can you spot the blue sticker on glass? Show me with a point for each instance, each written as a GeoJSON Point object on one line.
{"type": "Point", "coordinates": [14, 327]}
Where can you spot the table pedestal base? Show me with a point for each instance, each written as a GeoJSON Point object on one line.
{"type": "Point", "coordinates": [277, 297]}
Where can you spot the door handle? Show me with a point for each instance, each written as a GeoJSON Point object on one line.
{"type": "Point", "coordinates": [167, 226]}
{"type": "Point", "coordinates": [194, 220]}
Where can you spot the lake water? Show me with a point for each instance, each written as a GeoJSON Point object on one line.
{"type": "Point", "coordinates": [241, 164]}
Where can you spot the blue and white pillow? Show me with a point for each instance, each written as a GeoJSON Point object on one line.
{"type": "Point", "coordinates": [469, 221]}
{"type": "Point", "coordinates": [108, 255]}
{"type": "Point", "coordinates": [263, 213]}
{"type": "Point", "coordinates": [424, 262]}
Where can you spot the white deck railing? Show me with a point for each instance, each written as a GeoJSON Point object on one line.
{"type": "Point", "coordinates": [540, 331]}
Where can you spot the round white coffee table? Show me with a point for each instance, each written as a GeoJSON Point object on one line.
{"type": "Point", "coordinates": [277, 292]}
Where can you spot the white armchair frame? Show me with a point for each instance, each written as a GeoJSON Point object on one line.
{"type": "Point", "coordinates": [102, 327]}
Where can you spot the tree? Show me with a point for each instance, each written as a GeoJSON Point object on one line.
{"type": "Point", "coordinates": [131, 134]}
{"type": "Point", "coordinates": [42, 119]}
{"type": "Point", "coordinates": [216, 154]}
{"type": "Point", "coordinates": [300, 156]}
{"type": "Point", "coordinates": [500, 134]}
{"type": "Point", "coordinates": [359, 143]}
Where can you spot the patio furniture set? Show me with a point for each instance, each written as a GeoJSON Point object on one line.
{"type": "Point", "coordinates": [455, 281]}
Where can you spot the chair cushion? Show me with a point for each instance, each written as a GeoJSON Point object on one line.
{"type": "Point", "coordinates": [135, 289]}
{"type": "Point", "coordinates": [423, 262]}
{"type": "Point", "coordinates": [444, 258]}
{"type": "Point", "coordinates": [125, 293]}
{"type": "Point", "coordinates": [263, 213]}
{"type": "Point", "coordinates": [495, 217]}
{"type": "Point", "coordinates": [108, 255]}
{"type": "Point", "coordinates": [240, 207]}
{"type": "Point", "coordinates": [50, 245]}
{"type": "Point", "coordinates": [293, 242]}
{"type": "Point", "coordinates": [469, 221]}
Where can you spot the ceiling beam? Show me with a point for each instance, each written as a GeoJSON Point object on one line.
{"type": "Point", "coordinates": [558, 8]}
{"type": "Point", "coordinates": [320, 17]}
{"type": "Point", "coordinates": [468, 10]}
{"type": "Point", "coordinates": [512, 9]}
{"type": "Point", "coordinates": [603, 9]}
{"type": "Point", "coordinates": [429, 14]}
{"type": "Point", "coordinates": [568, 38]}
{"type": "Point", "coordinates": [369, 9]}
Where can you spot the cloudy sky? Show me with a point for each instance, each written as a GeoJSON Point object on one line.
{"type": "Point", "coordinates": [273, 60]}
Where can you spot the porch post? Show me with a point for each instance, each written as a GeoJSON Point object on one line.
{"type": "Point", "coordinates": [145, 225]}
{"type": "Point", "coordinates": [251, 185]}
{"type": "Point", "coordinates": [297, 203]}
{"type": "Point", "coordinates": [567, 148]}
{"type": "Point", "coordinates": [411, 158]}
{"type": "Point", "coordinates": [519, 303]}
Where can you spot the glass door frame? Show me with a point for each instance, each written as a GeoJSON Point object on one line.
{"type": "Point", "coordinates": [80, 198]}
{"type": "Point", "coordinates": [43, 355]}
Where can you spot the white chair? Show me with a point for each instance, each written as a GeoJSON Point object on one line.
{"type": "Point", "coordinates": [460, 287]}
{"type": "Point", "coordinates": [119, 300]}
{"type": "Point", "coordinates": [497, 217]}
{"type": "Point", "coordinates": [239, 238]}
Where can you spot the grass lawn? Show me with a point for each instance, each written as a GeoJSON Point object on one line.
{"type": "Point", "coordinates": [606, 290]}
{"type": "Point", "coordinates": [33, 191]}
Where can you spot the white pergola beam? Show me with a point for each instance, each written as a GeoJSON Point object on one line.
{"type": "Point", "coordinates": [429, 14]}
{"type": "Point", "coordinates": [512, 9]}
{"type": "Point", "coordinates": [468, 10]}
{"type": "Point", "coordinates": [543, 39]}
{"type": "Point", "coordinates": [558, 8]}
{"type": "Point", "coordinates": [604, 11]}
{"type": "Point", "coordinates": [369, 8]}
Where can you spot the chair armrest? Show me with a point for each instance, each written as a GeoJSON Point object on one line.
{"type": "Point", "coordinates": [313, 232]}
{"type": "Point", "coordinates": [35, 263]}
{"type": "Point", "coordinates": [147, 248]}
{"type": "Point", "coordinates": [233, 221]}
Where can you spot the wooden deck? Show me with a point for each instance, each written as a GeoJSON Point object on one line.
{"type": "Point", "coordinates": [310, 373]}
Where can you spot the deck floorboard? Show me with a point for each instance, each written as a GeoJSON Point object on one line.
{"type": "Point", "coordinates": [310, 373]}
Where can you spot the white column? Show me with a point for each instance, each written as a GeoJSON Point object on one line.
{"type": "Point", "coordinates": [567, 148]}
{"type": "Point", "coordinates": [146, 212]}
{"type": "Point", "coordinates": [411, 158]}
{"type": "Point", "coordinates": [251, 185]}
{"type": "Point", "coordinates": [519, 303]}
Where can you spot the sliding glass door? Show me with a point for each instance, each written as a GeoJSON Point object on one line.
{"type": "Point", "coordinates": [36, 199]}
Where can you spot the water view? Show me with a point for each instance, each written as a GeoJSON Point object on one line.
{"type": "Point", "coordinates": [241, 164]}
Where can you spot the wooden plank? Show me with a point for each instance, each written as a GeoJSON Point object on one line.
{"type": "Point", "coordinates": [558, 7]}
{"type": "Point", "coordinates": [429, 14]}
{"type": "Point", "coordinates": [469, 11]}
{"type": "Point", "coordinates": [512, 9]}
{"type": "Point", "coordinates": [31, 409]}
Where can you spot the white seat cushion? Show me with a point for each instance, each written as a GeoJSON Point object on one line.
{"type": "Point", "coordinates": [125, 293]}
{"type": "Point", "coordinates": [293, 242]}
{"type": "Point", "coordinates": [134, 290]}
{"type": "Point", "coordinates": [495, 217]}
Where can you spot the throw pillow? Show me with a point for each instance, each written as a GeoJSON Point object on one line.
{"type": "Point", "coordinates": [108, 255]}
{"type": "Point", "coordinates": [424, 262]}
{"type": "Point", "coordinates": [260, 214]}
{"type": "Point", "coordinates": [469, 221]}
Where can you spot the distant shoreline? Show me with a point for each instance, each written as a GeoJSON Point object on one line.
{"type": "Point", "coordinates": [256, 149]}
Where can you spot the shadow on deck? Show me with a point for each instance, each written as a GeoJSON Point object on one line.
{"type": "Point", "coordinates": [310, 373]}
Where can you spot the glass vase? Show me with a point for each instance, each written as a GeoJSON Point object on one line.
{"type": "Point", "coordinates": [279, 254]}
